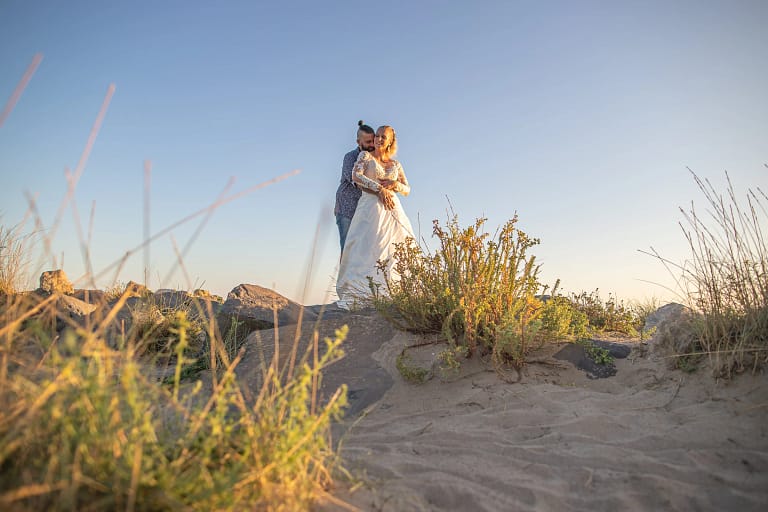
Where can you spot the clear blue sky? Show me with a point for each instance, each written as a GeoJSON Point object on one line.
{"type": "Point", "coordinates": [582, 116]}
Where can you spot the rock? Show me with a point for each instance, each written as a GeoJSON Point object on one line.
{"type": "Point", "coordinates": [255, 306]}
{"type": "Point", "coordinates": [124, 317]}
{"type": "Point", "coordinates": [675, 332]}
{"type": "Point", "coordinates": [665, 313]}
{"type": "Point", "coordinates": [55, 281]}
{"type": "Point", "coordinates": [576, 354]}
{"type": "Point", "coordinates": [67, 312]}
{"type": "Point", "coordinates": [90, 296]}
{"type": "Point", "coordinates": [172, 299]}
{"type": "Point", "coordinates": [74, 306]}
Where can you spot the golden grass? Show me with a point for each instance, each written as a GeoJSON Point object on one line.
{"type": "Point", "coordinates": [725, 281]}
{"type": "Point", "coordinates": [84, 427]}
{"type": "Point", "coordinates": [13, 259]}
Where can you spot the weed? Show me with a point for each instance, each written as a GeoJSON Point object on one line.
{"type": "Point", "coordinates": [410, 371]}
{"type": "Point", "coordinates": [598, 354]}
{"type": "Point", "coordinates": [474, 289]}
{"type": "Point", "coordinates": [561, 318]}
{"type": "Point", "coordinates": [611, 315]}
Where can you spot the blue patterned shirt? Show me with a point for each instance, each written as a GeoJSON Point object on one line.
{"type": "Point", "coordinates": [347, 195]}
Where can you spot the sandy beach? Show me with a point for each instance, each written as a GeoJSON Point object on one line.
{"type": "Point", "coordinates": [648, 438]}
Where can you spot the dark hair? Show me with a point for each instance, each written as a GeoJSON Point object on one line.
{"type": "Point", "coordinates": [362, 127]}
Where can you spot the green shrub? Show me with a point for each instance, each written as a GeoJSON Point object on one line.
{"type": "Point", "coordinates": [598, 354]}
{"type": "Point", "coordinates": [561, 318]}
{"type": "Point", "coordinates": [643, 309]}
{"type": "Point", "coordinates": [611, 315]}
{"type": "Point", "coordinates": [411, 371]}
{"type": "Point", "coordinates": [478, 290]}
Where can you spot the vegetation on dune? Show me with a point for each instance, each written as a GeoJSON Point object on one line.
{"type": "Point", "coordinates": [477, 290]}
{"type": "Point", "coordinates": [725, 281]}
{"type": "Point", "coordinates": [88, 423]}
{"type": "Point", "coordinates": [83, 425]}
{"type": "Point", "coordinates": [482, 293]}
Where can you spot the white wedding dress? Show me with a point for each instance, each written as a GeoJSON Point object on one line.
{"type": "Point", "coordinates": [373, 232]}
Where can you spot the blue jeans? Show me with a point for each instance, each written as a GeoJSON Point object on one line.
{"type": "Point", "coordinates": [343, 224]}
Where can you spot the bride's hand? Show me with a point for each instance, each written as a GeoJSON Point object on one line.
{"type": "Point", "coordinates": [386, 199]}
{"type": "Point", "coordinates": [388, 184]}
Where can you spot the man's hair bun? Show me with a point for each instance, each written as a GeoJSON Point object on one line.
{"type": "Point", "coordinates": [360, 123]}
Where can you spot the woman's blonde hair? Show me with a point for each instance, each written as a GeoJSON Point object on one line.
{"type": "Point", "coordinates": [390, 150]}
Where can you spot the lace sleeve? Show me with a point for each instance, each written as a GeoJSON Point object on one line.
{"type": "Point", "coordinates": [402, 185]}
{"type": "Point", "coordinates": [364, 160]}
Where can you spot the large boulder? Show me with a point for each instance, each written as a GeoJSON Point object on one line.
{"type": "Point", "coordinates": [55, 281]}
{"type": "Point", "coordinates": [255, 305]}
{"type": "Point", "coordinates": [666, 313]}
{"type": "Point", "coordinates": [676, 331]}
{"type": "Point", "coordinates": [90, 296]}
{"type": "Point", "coordinates": [172, 299]}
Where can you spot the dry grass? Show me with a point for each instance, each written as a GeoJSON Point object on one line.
{"type": "Point", "coordinates": [13, 259]}
{"type": "Point", "coordinates": [86, 424]}
{"type": "Point", "coordinates": [84, 427]}
{"type": "Point", "coordinates": [726, 278]}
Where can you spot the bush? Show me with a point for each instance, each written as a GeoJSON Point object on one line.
{"type": "Point", "coordinates": [561, 318]}
{"type": "Point", "coordinates": [82, 427]}
{"type": "Point", "coordinates": [612, 315]}
{"type": "Point", "coordinates": [478, 290]}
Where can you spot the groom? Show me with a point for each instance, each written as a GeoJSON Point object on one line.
{"type": "Point", "coordinates": [347, 195]}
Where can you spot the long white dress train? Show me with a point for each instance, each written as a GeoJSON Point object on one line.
{"type": "Point", "coordinates": [372, 234]}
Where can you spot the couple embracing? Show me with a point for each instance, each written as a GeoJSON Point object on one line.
{"type": "Point", "coordinates": [368, 212]}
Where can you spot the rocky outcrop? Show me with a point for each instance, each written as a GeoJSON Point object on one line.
{"type": "Point", "coordinates": [676, 331]}
{"type": "Point", "coordinates": [665, 313]}
{"type": "Point", "coordinates": [55, 281]}
{"type": "Point", "coordinates": [256, 306]}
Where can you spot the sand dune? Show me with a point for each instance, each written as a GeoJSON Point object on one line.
{"type": "Point", "coordinates": [648, 438]}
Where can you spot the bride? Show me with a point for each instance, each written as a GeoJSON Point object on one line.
{"type": "Point", "coordinates": [379, 220]}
